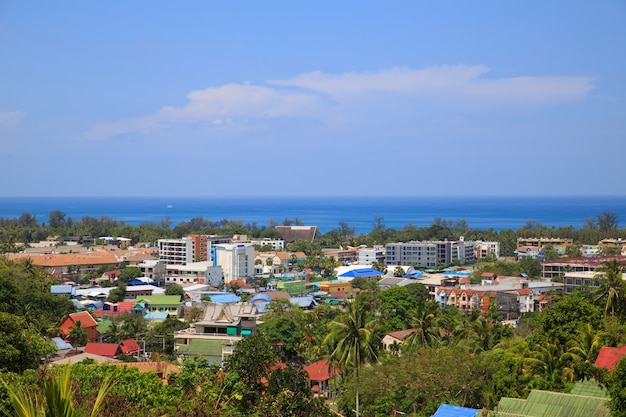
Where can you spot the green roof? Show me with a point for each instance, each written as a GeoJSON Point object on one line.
{"type": "Point", "coordinates": [104, 326]}
{"type": "Point", "coordinates": [161, 300]}
{"type": "Point", "coordinates": [553, 404]}
{"type": "Point", "coordinates": [198, 347]}
{"type": "Point", "coordinates": [589, 388]}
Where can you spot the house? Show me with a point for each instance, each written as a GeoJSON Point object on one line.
{"type": "Point", "coordinates": [170, 304]}
{"type": "Point", "coordinates": [395, 338]}
{"type": "Point", "coordinates": [215, 336]}
{"type": "Point", "coordinates": [108, 350]}
{"type": "Point", "coordinates": [86, 321]}
{"type": "Point", "coordinates": [130, 347]}
{"type": "Point", "coordinates": [114, 309]}
{"type": "Point", "coordinates": [609, 356]}
{"type": "Point", "coordinates": [320, 375]}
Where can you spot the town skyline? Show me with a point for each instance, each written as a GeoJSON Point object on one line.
{"type": "Point", "coordinates": [351, 99]}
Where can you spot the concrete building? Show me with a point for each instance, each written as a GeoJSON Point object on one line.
{"type": "Point", "coordinates": [153, 269]}
{"type": "Point", "coordinates": [368, 255]}
{"type": "Point", "coordinates": [176, 251]}
{"type": "Point", "coordinates": [215, 336]}
{"type": "Point", "coordinates": [429, 254]}
{"type": "Point", "coordinates": [276, 244]}
{"type": "Point", "coordinates": [558, 267]}
{"type": "Point", "coordinates": [194, 273]}
{"type": "Point", "coordinates": [484, 249]}
{"type": "Point", "coordinates": [537, 243]}
{"type": "Point", "coordinates": [236, 260]}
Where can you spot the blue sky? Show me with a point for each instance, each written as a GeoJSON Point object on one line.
{"type": "Point", "coordinates": [229, 98]}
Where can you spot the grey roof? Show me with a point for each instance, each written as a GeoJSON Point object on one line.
{"type": "Point", "coordinates": [63, 289]}
{"type": "Point", "coordinates": [227, 313]}
{"type": "Point", "coordinates": [303, 302]}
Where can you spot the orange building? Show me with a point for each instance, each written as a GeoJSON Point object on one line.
{"type": "Point", "coordinates": [87, 322]}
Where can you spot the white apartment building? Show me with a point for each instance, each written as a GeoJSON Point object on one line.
{"type": "Point", "coordinates": [483, 249]}
{"type": "Point", "coordinates": [276, 244]}
{"type": "Point", "coordinates": [236, 260]}
{"type": "Point", "coordinates": [369, 255]}
{"type": "Point", "coordinates": [194, 273]}
{"type": "Point", "coordinates": [429, 254]}
{"type": "Point", "coordinates": [176, 251]}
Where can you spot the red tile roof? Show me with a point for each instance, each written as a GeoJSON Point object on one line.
{"type": "Point", "coordinates": [320, 371]}
{"type": "Point", "coordinates": [129, 346]}
{"type": "Point", "coordinates": [109, 350]}
{"type": "Point", "coordinates": [609, 356]}
{"type": "Point", "coordinates": [86, 320]}
{"type": "Point", "coordinates": [401, 334]}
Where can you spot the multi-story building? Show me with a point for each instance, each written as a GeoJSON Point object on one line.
{"type": "Point", "coordinates": [176, 251]}
{"type": "Point", "coordinates": [153, 269]}
{"type": "Point", "coordinates": [525, 244]}
{"type": "Point", "coordinates": [484, 249]}
{"type": "Point", "coordinates": [558, 267]}
{"type": "Point", "coordinates": [276, 244]}
{"type": "Point", "coordinates": [202, 246]}
{"type": "Point", "coordinates": [369, 255]}
{"type": "Point", "coordinates": [236, 260]}
{"type": "Point", "coordinates": [215, 336]}
{"type": "Point", "coordinates": [429, 254]}
{"type": "Point", "coordinates": [345, 256]}
{"type": "Point", "coordinates": [194, 273]}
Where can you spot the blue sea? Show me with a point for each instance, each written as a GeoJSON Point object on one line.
{"type": "Point", "coordinates": [326, 212]}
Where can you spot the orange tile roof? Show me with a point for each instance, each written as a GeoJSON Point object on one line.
{"type": "Point", "coordinates": [67, 259]}
{"type": "Point", "coordinates": [85, 318]}
{"type": "Point", "coordinates": [320, 370]}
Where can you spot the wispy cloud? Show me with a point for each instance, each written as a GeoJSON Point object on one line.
{"type": "Point", "coordinates": [11, 118]}
{"type": "Point", "coordinates": [320, 96]}
{"type": "Point", "coordinates": [460, 81]}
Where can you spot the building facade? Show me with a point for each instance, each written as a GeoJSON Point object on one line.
{"type": "Point", "coordinates": [236, 260]}
{"type": "Point", "coordinates": [176, 251]}
{"type": "Point", "coordinates": [429, 254]}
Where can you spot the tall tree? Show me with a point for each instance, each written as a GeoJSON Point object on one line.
{"type": "Point", "coordinates": [352, 339]}
{"type": "Point", "coordinates": [612, 289]}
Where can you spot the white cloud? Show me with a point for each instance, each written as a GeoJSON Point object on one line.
{"type": "Point", "coordinates": [232, 104]}
{"type": "Point", "coordinates": [458, 82]}
{"type": "Point", "coordinates": [306, 96]}
{"type": "Point", "coordinates": [11, 118]}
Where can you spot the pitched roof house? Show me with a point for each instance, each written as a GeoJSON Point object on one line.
{"type": "Point", "coordinates": [215, 336]}
{"type": "Point", "coordinates": [395, 338]}
{"type": "Point", "coordinates": [87, 322]}
{"type": "Point", "coordinates": [319, 375]}
{"type": "Point", "coordinates": [609, 356]}
{"type": "Point", "coordinates": [108, 350]}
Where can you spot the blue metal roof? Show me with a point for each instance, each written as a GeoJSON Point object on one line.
{"type": "Point", "coordinates": [447, 410]}
{"type": "Point", "coordinates": [225, 298]}
{"type": "Point", "coordinates": [262, 297]}
{"type": "Point", "coordinates": [362, 272]}
{"type": "Point", "coordinates": [61, 344]}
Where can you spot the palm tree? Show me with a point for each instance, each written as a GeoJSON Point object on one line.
{"type": "Point", "coordinates": [58, 398]}
{"type": "Point", "coordinates": [551, 363]}
{"type": "Point", "coordinates": [612, 286]}
{"type": "Point", "coordinates": [351, 338]}
{"type": "Point", "coordinates": [422, 320]}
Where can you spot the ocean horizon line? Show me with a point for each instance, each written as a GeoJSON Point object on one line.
{"type": "Point", "coordinates": [329, 196]}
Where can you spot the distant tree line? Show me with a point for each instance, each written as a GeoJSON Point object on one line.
{"type": "Point", "coordinates": [26, 229]}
